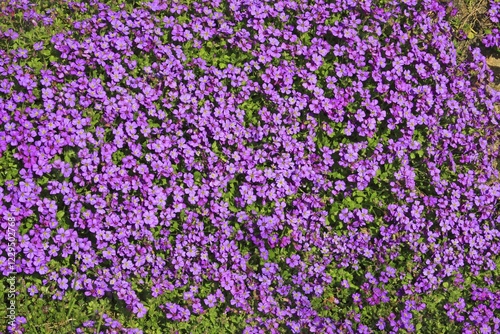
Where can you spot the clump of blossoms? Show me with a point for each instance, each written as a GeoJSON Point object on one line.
{"type": "Point", "coordinates": [492, 40]}
{"type": "Point", "coordinates": [258, 158]}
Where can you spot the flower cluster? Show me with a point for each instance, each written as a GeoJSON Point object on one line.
{"type": "Point", "coordinates": [492, 39]}
{"type": "Point", "coordinates": [240, 155]}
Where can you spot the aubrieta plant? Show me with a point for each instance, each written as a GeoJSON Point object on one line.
{"type": "Point", "coordinates": [248, 166]}
{"type": "Point", "coordinates": [492, 39]}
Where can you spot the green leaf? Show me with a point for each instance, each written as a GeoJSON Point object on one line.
{"type": "Point", "coordinates": [197, 176]}
{"type": "Point", "coordinates": [68, 156]}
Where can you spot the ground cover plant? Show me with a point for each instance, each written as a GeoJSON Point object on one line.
{"type": "Point", "coordinates": [247, 166]}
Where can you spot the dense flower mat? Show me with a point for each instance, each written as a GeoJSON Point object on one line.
{"type": "Point", "coordinates": [256, 166]}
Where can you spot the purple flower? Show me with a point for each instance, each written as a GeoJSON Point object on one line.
{"type": "Point", "coordinates": [38, 46]}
